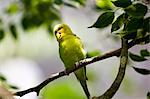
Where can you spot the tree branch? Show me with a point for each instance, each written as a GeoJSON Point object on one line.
{"type": "Point", "coordinates": [121, 73]}
{"type": "Point", "coordinates": [78, 65]}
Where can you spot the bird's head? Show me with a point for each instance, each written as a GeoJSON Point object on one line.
{"type": "Point", "coordinates": [62, 30]}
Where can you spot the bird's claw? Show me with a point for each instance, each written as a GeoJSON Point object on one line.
{"type": "Point", "coordinates": [66, 71]}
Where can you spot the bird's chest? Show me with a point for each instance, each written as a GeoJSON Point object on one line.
{"type": "Point", "coordinates": [70, 52]}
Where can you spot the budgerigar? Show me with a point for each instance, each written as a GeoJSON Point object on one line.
{"type": "Point", "coordinates": [71, 51]}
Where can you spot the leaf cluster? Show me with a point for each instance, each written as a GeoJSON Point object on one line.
{"type": "Point", "coordinates": [140, 58]}
{"type": "Point", "coordinates": [132, 24]}
{"type": "Point", "coordinates": [36, 13]}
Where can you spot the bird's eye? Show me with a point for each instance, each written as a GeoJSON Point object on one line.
{"type": "Point", "coordinates": [59, 32]}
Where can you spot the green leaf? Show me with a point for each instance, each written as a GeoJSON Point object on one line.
{"type": "Point", "coordinates": [69, 5]}
{"type": "Point", "coordinates": [93, 53]}
{"type": "Point", "coordinates": [13, 8]}
{"type": "Point", "coordinates": [133, 24]}
{"type": "Point", "coordinates": [136, 58]}
{"type": "Point", "coordinates": [81, 2]}
{"type": "Point", "coordinates": [146, 24]}
{"type": "Point", "coordinates": [27, 3]}
{"type": "Point", "coordinates": [13, 87]}
{"type": "Point", "coordinates": [43, 6]}
{"type": "Point", "coordinates": [122, 3]}
{"type": "Point", "coordinates": [140, 33]}
{"type": "Point", "coordinates": [38, 13]}
{"type": "Point", "coordinates": [104, 4]}
{"type": "Point", "coordinates": [148, 95]}
{"type": "Point", "coordinates": [118, 23]}
{"type": "Point", "coordinates": [2, 78]}
{"type": "Point", "coordinates": [13, 31]}
{"type": "Point", "coordinates": [31, 20]}
{"type": "Point", "coordinates": [50, 30]}
{"type": "Point", "coordinates": [2, 34]}
{"type": "Point", "coordinates": [131, 28]}
{"type": "Point", "coordinates": [58, 2]}
{"type": "Point", "coordinates": [137, 10]}
{"type": "Point", "coordinates": [142, 71]}
{"type": "Point", "coordinates": [144, 52]}
{"type": "Point", "coordinates": [0, 20]}
{"type": "Point", "coordinates": [104, 20]}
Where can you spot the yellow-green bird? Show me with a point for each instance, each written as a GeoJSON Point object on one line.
{"type": "Point", "coordinates": [71, 51]}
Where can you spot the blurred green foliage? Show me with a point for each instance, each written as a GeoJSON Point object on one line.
{"type": "Point", "coordinates": [13, 31]}
{"type": "Point", "coordinates": [36, 13]}
{"type": "Point", "coordinates": [93, 53]}
{"type": "Point", "coordinates": [66, 88]}
{"type": "Point", "coordinates": [128, 85]}
{"type": "Point", "coordinates": [148, 95]}
{"type": "Point", "coordinates": [12, 9]}
{"type": "Point", "coordinates": [104, 4]}
{"type": "Point", "coordinates": [62, 90]}
{"type": "Point", "coordinates": [1, 34]}
{"type": "Point", "coordinates": [2, 78]}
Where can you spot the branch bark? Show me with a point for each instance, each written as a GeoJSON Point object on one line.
{"type": "Point", "coordinates": [78, 65]}
{"type": "Point", "coordinates": [121, 73]}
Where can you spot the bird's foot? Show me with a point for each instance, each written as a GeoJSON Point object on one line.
{"type": "Point", "coordinates": [67, 72]}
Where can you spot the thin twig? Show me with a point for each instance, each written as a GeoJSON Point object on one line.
{"type": "Point", "coordinates": [78, 65]}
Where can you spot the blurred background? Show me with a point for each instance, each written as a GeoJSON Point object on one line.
{"type": "Point", "coordinates": [29, 51]}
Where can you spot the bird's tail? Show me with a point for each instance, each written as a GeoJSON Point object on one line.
{"type": "Point", "coordinates": [85, 88]}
